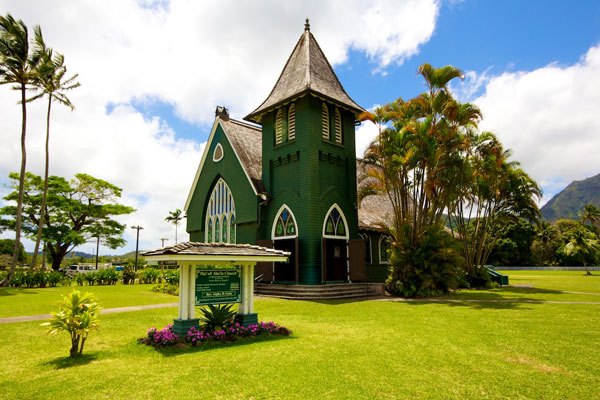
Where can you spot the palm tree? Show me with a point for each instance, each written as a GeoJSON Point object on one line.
{"type": "Point", "coordinates": [16, 69]}
{"type": "Point", "coordinates": [49, 79]}
{"type": "Point", "coordinates": [584, 245]}
{"type": "Point", "coordinates": [174, 218]}
{"type": "Point", "coordinates": [589, 213]}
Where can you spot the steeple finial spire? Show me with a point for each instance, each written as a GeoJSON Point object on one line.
{"type": "Point", "coordinates": [307, 25]}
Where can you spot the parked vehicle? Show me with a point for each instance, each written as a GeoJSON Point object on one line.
{"type": "Point", "coordinates": [74, 269]}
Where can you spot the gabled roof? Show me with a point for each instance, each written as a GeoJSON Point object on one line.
{"type": "Point", "coordinates": [217, 249]}
{"type": "Point", "coordinates": [246, 140]}
{"type": "Point", "coordinates": [306, 70]}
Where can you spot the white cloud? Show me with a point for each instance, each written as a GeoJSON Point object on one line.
{"type": "Point", "coordinates": [549, 117]}
{"type": "Point", "coordinates": [193, 56]}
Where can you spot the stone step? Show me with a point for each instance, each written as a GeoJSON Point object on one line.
{"type": "Point", "coordinates": [319, 292]}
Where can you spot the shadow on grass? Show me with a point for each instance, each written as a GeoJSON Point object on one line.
{"type": "Point", "coordinates": [69, 362]}
{"type": "Point", "coordinates": [180, 349]}
{"type": "Point", "coordinates": [16, 291]}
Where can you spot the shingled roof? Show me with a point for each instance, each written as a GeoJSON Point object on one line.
{"type": "Point", "coordinates": [216, 249]}
{"type": "Point", "coordinates": [246, 140]}
{"type": "Point", "coordinates": [306, 70]}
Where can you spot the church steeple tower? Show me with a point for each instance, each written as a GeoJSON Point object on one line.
{"type": "Point", "coordinates": [309, 167]}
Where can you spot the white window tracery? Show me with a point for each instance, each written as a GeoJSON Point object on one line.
{"type": "Point", "coordinates": [220, 215]}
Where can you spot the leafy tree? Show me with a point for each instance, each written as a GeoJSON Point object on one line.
{"type": "Point", "coordinates": [16, 69]}
{"type": "Point", "coordinates": [579, 244]}
{"type": "Point", "coordinates": [174, 218]}
{"type": "Point", "coordinates": [78, 315]}
{"type": "Point", "coordinates": [513, 243]}
{"type": "Point", "coordinates": [74, 213]}
{"type": "Point", "coordinates": [49, 79]}
{"type": "Point", "coordinates": [545, 244]}
{"type": "Point", "coordinates": [430, 160]}
{"type": "Point", "coordinates": [590, 213]}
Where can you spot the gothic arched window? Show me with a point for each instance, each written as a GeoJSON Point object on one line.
{"type": "Point", "coordinates": [220, 215]}
{"type": "Point", "coordinates": [335, 223]}
{"type": "Point", "coordinates": [284, 225]}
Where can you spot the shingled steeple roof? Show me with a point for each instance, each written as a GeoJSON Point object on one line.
{"type": "Point", "coordinates": [306, 70]}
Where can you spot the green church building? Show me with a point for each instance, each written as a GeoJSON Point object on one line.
{"type": "Point", "coordinates": [286, 178]}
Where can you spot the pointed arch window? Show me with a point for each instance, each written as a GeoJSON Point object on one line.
{"type": "Point", "coordinates": [292, 122]}
{"type": "Point", "coordinates": [285, 224]}
{"type": "Point", "coordinates": [367, 239]}
{"type": "Point", "coordinates": [325, 121]}
{"type": "Point", "coordinates": [385, 244]}
{"type": "Point", "coordinates": [279, 127]}
{"type": "Point", "coordinates": [338, 126]}
{"type": "Point", "coordinates": [335, 225]}
{"type": "Point", "coordinates": [220, 215]}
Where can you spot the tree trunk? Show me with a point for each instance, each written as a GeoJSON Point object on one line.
{"type": "Point", "coordinates": [19, 217]}
{"type": "Point", "coordinates": [74, 345]}
{"type": "Point", "coordinates": [45, 192]}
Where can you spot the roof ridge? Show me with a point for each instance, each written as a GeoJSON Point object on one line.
{"type": "Point", "coordinates": [243, 123]}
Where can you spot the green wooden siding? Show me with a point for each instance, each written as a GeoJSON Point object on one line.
{"type": "Point", "coordinates": [230, 169]}
{"type": "Point", "coordinates": [309, 175]}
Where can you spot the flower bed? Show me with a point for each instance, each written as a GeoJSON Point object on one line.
{"type": "Point", "coordinates": [194, 337]}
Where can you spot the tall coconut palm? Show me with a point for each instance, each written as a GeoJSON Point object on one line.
{"type": "Point", "coordinates": [50, 79]}
{"type": "Point", "coordinates": [589, 213]}
{"type": "Point", "coordinates": [16, 69]}
{"type": "Point", "coordinates": [174, 218]}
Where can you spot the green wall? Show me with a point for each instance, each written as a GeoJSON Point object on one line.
{"type": "Point", "coordinates": [230, 169]}
{"type": "Point", "coordinates": [309, 175]}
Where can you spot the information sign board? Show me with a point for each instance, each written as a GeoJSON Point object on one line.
{"type": "Point", "coordinates": [218, 286]}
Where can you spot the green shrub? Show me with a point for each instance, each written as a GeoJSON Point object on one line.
{"type": "Point", "coordinates": [78, 315]}
{"type": "Point", "coordinates": [215, 317]}
{"type": "Point", "coordinates": [166, 288]}
{"type": "Point", "coordinates": [108, 276]}
{"type": "Point", "coordinates": [80, 279]}
{"type": "Point", "coordinates": [171, 276]}
{"type": "Point", "coordinates": [128, 275]}
{"type": "Point", "coordinates": [54, 278]}
{"type": "Point", "coordinates": [149, 275]}
{"type": "Point", "coordinates": [90, 277]}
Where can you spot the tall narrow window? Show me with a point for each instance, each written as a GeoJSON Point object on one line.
{"type": "Point", "coordinates": [285, 224]}
{"type": "Point", "coordinates": [325, 121]}
{"type": "Point", "coordinates": [279, 127]}
{"type": "Point", "coordinates": [338, 126]}
{"type": "Point", "coordinates": [292, 122]}
{"type": "Point", "coordinates": [385, 244]}
{"type": "Point", "coordinates": [220, 215]}
{"type": "Point", "coordinates": [335, 223]}
{"type": "Point", "coordinates": [365, 236]}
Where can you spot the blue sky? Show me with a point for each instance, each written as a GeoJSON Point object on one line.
{"type": "Point", "coordinates": [152, 73]}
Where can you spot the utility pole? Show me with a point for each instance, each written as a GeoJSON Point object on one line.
{"type": "Point", "coordinates": [162, 240]}
{"type": "Point", "coordinates": [137, 242]}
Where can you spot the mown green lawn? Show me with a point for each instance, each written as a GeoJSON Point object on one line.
{"type": "Point", "coordinates": [15, 302]}
{"type": "Point", "coordinates": [339, 350]}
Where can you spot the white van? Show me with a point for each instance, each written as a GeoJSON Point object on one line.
{"type": "Point", "coordinates": [79, 269]}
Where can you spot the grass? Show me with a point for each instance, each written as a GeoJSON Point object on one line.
{"type": "Point", "coordinates": [339, 350]}
{"type": "Point", "coordinates": [16, 302]}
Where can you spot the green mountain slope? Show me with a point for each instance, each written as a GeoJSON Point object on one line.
{"type": "Point", "coordinates": [571, 199]}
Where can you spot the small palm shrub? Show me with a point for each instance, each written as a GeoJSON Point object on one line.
{"type": "Point", "coordinates": [129, 275]}
{"type": "Point", "coordinates": [149, 275]}
{"type": "Point", "coordinates": [108, 276]}
{"type": "Point", "coordinates": [54, 278]}
{"type": "Point", "coordinates": [215, 317]}
{"type": "Point", "coordinates": [90, 277]}
{"type": "Point", "coordinates": [78, 315]}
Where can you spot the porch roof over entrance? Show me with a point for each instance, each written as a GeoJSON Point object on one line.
{"type": "Point", "coordinates": [219, 253]}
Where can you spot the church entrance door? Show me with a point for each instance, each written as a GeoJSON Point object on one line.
{"type": "Point", "coordinates": [336, 260]}
{"type": "Point", "coordinates": [286, 272]}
